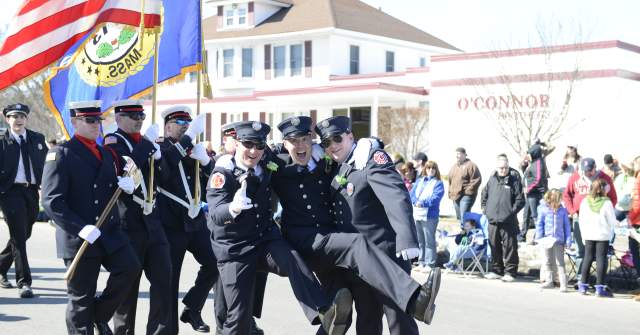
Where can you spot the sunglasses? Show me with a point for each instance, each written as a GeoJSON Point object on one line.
{"type": "Point", "coordinates": [327, 141]}
{"type": "Point", "coordinates": [91, 120]}
{"type": "Point", "coordinates": [136, 116]}
{"type": "Point", "coordinates": [250, 145]}
{"type": "Point", "coordinates": [181, 122]}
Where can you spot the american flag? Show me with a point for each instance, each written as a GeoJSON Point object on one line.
{"type": "Point", "coordinates": [43, 30]}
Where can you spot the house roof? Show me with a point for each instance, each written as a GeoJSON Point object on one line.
{"type": "Point", "coordinates": [352, 15]}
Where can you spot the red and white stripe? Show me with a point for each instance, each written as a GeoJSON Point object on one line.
{"type": "Point", "coordinates": [43, 30]}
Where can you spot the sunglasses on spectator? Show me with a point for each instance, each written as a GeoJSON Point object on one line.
{"type": "Point", "coordinates": [250, 145]}
{"type": "Point", "coordinates": [181, 122]}
{"type": "Point", "coordinates": [136, 116]}
{"type": "Point", "coordinates": [333, 138]}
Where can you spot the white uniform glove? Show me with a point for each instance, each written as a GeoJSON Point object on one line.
{"type": "Point", "coordinates": [197, 126]}
{"type": "Point", "coordinates": [89, 233]}
{"type": "Point", "coordinates": [152, 133]}
{"type": "Point", "coordinates": [199, 152]}
{"type": "Point", "coordinates": [127, 184]}
{"type": "Point", "coordinates": [316, 152]}
{"type": "Point", "coordinates": [408, 254]}
{"type": "Point", "coordinates": [361, 152]}
{"type": "Point", "coordinates": [157, 155]}
{"type": "Point", "coordinates": [240, 201]}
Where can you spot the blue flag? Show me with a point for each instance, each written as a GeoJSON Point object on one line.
{"type": "Point", "coordinates": [115, 61]}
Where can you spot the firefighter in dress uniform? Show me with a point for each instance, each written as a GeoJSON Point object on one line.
{"type": "Point", "coordinates": [79, 178]}
{"type": "Point", "coordinates": [371, 199]}
{"type": "Point", "coordinates": [183, 219]}
{"type": "Point", "coordinates": [245, 238]}
{"type": "Point", "coordinates": [140, 220]}
{"type": "Point", "coordinates": [229, 148]}
{"type": "Point", "coordinates": [22, 154]}
{"type": "Point", "coordinates": [302, 183]}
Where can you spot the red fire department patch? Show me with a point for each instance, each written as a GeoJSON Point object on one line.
{"type": "Point", "coordinates": [217, 180]}
{"type": "Point", "coordinates": [381, 157]}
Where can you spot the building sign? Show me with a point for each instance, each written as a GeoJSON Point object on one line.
{"type": "Point", "coordinates": [506, 106]}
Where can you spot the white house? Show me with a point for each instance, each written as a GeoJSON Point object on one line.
{"type": "Point", "coordinates": [271, 59]}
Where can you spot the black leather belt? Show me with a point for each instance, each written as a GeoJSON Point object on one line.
{"type": "Point", "coordinates": [25, 185]}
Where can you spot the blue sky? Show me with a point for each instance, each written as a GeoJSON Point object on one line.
{"type": "Point", "coordinates": [480, 25]}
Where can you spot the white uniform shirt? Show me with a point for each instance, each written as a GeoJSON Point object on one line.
{"type": "Point", "coordinates": [20, 175]}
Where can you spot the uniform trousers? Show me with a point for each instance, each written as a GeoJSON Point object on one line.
{"type": "Point", "coordinates": [199, 245]}
{"type": "Point", "coordinates": [84, 307]}
{"type": "Point", "coordinates": [156, 262]}
{"type": "Point", "coordinates": [20, 208]}
{"type": "Point", "coordinates": [276, 256]}
{"type": "Point", "coordinates": [220, 304]}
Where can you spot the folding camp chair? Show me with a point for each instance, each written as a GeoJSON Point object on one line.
{"type": "Point", "coordinates": [477, 256]}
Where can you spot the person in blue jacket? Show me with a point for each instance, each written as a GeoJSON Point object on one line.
{"type": "Point", "coordinates": [426, 195]}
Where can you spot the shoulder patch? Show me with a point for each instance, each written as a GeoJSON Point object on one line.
{"type": "Point", "coordinates": [217, 180]}
{"type": "Point", "coordinates": [225, 162]}
{"type": "Point", "coordinates": [110, 140]}
{"type": "Point", "coordinates": [51, 156]}
{"type": "Point", "coordinates": [381, 157]}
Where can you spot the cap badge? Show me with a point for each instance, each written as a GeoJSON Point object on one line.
{"type": "Point", "coordinates": [325, 124]}
{"type": "Point", "coordinates": [295, 121]}
{"type": "Point", "coordinates": [18, 106]}
{"type": "Point", "coordinates": [256, 126]}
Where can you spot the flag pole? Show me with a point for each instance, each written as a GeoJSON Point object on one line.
{"type": "Point", "coordinates": [197, 190]}
{"type": "Point", "coordinates": [154, 107]}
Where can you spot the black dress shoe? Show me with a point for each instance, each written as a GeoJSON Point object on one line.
{"type": "Point", "coordinates": [334, 319]}
{"type": "Point", "coordinates": [424, 305]}
{"type": "Point", "coordinates": [194, 319]}
{"type": "Point", "coordinates": [4, 282]}
{"type": "Point", "coordinates": [103, 328]}
{"type": "Point", "coordinates": [255, 330]}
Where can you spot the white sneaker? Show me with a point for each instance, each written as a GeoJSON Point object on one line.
{"type": "Point", "coordinates": [492, 275]}
{"type": "Point", "coordinates": [508, 278]}
{"type": "Point", "coordinates": [548, 284]}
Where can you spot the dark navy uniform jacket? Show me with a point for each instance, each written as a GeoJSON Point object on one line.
{"type": "Point", "coordinates": [306, 201]}
{"type": "Point", "coordinates": [233, 238]}
{"type": "Point", "coordinates": [173, 214]}
{"type": "Point", "coordinates": [130, 211]}
{"type": "Point", "coordinates": [75, 190]}
{"type": "Point", "coordinates": [374, 201]}
{"type": "Point", "coordinates": [10, 154]}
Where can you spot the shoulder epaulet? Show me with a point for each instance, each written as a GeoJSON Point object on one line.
{"type": "Point", "coordinates": [225, 162]}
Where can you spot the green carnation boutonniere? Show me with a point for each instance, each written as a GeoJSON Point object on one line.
{"type": "Point", "coordinates": [341, 180]}
{"type": "Point", "coordinates": [327, 159]}
{"type": "Point", "coordinates": [273, 167]}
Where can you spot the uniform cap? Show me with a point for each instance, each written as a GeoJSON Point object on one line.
{"type": "Point", "coordinates": [252, 131]}
{"type": "Point", "coordinates": [295, 126]}
{"type": "Point", "coordinates": [229, 129]}
{"type": "Point", "coordinates": [128, 106]}
{"type": "Point", "coordinates": [16, 108]}
{"type": "Point", "coordinates": [334, 125]}
{"type": "Point", "coordinates": [177, 112]}
{"type": "Point", "coordinates": [85, 108]}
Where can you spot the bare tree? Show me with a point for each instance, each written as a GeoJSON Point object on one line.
{"type": "Point", "coordinates": [31, 93]}
{"type": "Point", "coordinates": [521, 119]}
{"type": "Point", "coordinates": [402, 129]}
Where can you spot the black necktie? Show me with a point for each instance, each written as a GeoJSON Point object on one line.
{"type": "Point", "coordinates": [25, 159]}
{"type": "Point", "coordinates": [303, 169]}
{"type": "Point", "coordinates": [251, 172]}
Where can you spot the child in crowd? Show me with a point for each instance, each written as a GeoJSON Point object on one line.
{"type": "Point", "coordinates": [471, 235]}
{"type": "Point", "coordinates": [553, 233]}
{"type": "Point", "coordinates": [597, 222]}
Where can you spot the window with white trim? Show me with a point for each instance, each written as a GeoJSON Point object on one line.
{"type": "Point", "coordinates": [279, 61]}
{"type": "Point", "coordinates": [235, 15]}
{"type": "Point", "coordinates": [247, 62]}
{"type": "Point", "coordinates": [295, 59]}
{"type": "Point", "coordinates": [390, 61]}
{"type": "Point", "coordinates": [227, 55]}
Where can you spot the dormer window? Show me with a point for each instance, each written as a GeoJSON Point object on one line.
{"type": "Point", "coordinates": [235, 15]}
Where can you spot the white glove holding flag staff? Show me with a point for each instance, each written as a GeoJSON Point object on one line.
{"type": "Point", "coordinates": [199, 152]}
{"type": "Point", "coordinates": [196, 127]}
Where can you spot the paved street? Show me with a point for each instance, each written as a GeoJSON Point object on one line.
{"type": "Point", "coordinates": [465, 306]}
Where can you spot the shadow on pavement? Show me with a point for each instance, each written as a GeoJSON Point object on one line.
{"type": "Point", "coordinates": [10, 318]}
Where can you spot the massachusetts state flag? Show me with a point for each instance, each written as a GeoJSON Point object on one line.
{"type": "Point", "coordinates": [115, 61]}
{"type": "Point", "coordinates": [43, 30]}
